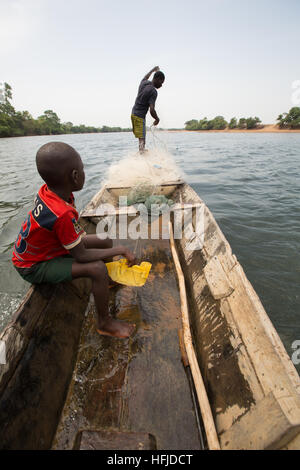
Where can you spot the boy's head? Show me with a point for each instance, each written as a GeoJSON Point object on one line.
{"type": "Point", "coordinates": [158, 79]}
{"type": "Point", "coordinates": [60, 166]}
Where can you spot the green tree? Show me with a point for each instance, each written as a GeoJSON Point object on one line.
{"type": "Point", "coordinates": [293, 118]}
{"type": "Point", "coordinates": [203, 124]}
{"type": "Point", "coordinates": [219, 123]}
{"type": "Point", "coordinates": [5, 125]}
{"type": "Point", "coordinates": [290, 120]}
{"type": "Point", "coordinates": [233, 123]}
{"type": "Point", "coordinates": [252, 123]}
{"type": "Point", "coordinates": [281, 119]}
{"type": "Point", "coordinates": [7, 92]}
{"type": "Point", "coordinates": [50, 123]}
{"type": "Point", "coordinates": [7, 114]}
{"type": "Point", "coordinates": [67, 127]}
{"type": "Point", "coordinates": [27, 123]}
{"type": "Point", "coordinates": [191, 125]}
{"type": "Point", "coordinates": [242, 123]}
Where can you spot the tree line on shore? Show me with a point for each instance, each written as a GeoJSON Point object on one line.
{"type": "Point", "coordinates": [20, 123]}
{"type": "Point", "coordinates": [219, 123]}
{"type": "Point", "coordinates": [290, 120]}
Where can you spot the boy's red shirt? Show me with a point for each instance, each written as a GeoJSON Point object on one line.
{"type": "Point", "coordinates": [50, 230]}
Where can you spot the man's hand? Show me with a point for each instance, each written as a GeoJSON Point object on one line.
{"type": "Point", "coordinates": [130, 257]}
{"type": "Point", "coordinates": [156, 122]}
{"type": "Point", "coordinates": [155, 69]}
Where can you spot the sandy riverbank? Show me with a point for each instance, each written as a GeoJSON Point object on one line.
{"type": "Point", "coordinates": [266, 128]}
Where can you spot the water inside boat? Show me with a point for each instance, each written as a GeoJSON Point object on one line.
{"type": "Point", "coordinates": [137, 384]}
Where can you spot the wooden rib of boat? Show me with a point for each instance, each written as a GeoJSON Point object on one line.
{"type": "Point", "coordinates": [65, 387]}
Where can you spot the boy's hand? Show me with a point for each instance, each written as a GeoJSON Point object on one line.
{"type": "Point", "coordinates": [156, 69]}
{"type": "Point", "coordinates": [156, 122]}
{"type": "Point", "coordinates": [130, 257]}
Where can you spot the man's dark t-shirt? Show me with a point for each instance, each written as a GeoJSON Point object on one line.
{"type": "Point", "coordinates": [147, 95]}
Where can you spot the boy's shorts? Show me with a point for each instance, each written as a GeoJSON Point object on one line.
{"type": "Point", "coordinates": [55, 270]}
{"type": "Point", "coordinates": [138, 126]}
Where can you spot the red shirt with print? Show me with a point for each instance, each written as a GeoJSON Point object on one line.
{"type": "Point", "coordinates": [50, 230]}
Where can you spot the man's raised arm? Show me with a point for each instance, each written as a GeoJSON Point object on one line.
{"type": "Point", "coordinates": [155, 69]}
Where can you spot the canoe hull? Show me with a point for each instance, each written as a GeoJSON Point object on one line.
{"type": "Point", "coordinates": [42, 345]}
{"type": "Point", "coordinates": [247, 372]}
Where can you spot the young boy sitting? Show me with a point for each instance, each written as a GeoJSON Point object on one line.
{"type": "Point", "coordinates": [52, 247]}
{"type": "Point", "coordinates": [145, 99]}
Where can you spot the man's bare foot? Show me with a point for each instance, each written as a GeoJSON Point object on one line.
{"type": "Point", "coordinates": [115, 328]}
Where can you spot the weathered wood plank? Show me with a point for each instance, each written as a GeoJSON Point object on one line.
{"type": "Point", "coordinates": [229, 376]}
{"type": "Point", "coordinates": [273, 367]}
{"type": "Point", "coordinates": [95, 200]}
{"type": "Point", "coordinates": [121, 384]}
{"type": "Point", "coordinates": [17, 333]}
{"type": "Point", "coordinates": [165, 189]}
{"type": "Point", "coordinates": [33, 398]}
{"type": "Point", "coordinates": [163, 185]}
{"type": "Point", "coordinates": [294, 444]}
{"type": "Point", "coordinates": [266, 426]}
{"type": "Point", "coordinates": [214, 241]}
{"type": "Point", "coordinates": [238, 347]}
{"type": "Point", "coordinates": [210, 429]}
{"type": "Point", "coordinates": [129, 210]}
{"type": "Point", "coordinates": [217, 280]}
{"type": "Point", "coordinates": [114, 440]}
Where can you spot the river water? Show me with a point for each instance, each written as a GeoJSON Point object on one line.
{"type": "Point", "coordinates": [249, 181]}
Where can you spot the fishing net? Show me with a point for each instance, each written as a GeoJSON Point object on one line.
{"type": "Point", "coordinates": [145, 173]}
{"type": "Point", "coordinates": [152, 168]}
{"type": "Point", "coordinates": [139, 193]}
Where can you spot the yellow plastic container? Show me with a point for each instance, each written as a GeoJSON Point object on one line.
{"type": "Point", "coordinates": [135, 275]}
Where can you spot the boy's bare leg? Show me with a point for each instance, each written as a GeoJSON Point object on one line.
{"type": "Point", "coordinates": [97, 272]}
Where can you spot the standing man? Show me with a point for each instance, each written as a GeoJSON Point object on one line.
{"type": "Point", "coordinates": [145, 99]}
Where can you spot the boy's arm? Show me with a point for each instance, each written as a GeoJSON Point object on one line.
{"type": "Point", "coordinates": [155, 69]}
{"type": "Point", "coordinates": [153, 114]}
{"type": "Point", "coordinates": [85, 255]}
{"type": "Point", "coordinates": [69, 234]}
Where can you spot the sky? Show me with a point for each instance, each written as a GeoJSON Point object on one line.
{"type": "Point", "coordinates": [85, 59]}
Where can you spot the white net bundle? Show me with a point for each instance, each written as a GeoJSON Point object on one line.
{"type": "Point", "coordinates": [153, 168]}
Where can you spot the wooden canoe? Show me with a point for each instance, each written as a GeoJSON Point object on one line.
{"type": "Point", "coordinates": [65, 387]}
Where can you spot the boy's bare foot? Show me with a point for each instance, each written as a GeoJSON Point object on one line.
{"type": "Point", "coordinates": [115, 328]}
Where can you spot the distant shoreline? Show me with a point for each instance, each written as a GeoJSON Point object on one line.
{"type": "Point", "coordinates": [267, 128]}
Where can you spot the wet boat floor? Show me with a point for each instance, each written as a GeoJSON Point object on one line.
{"type": "Point", "coordinates": [136, 384]}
